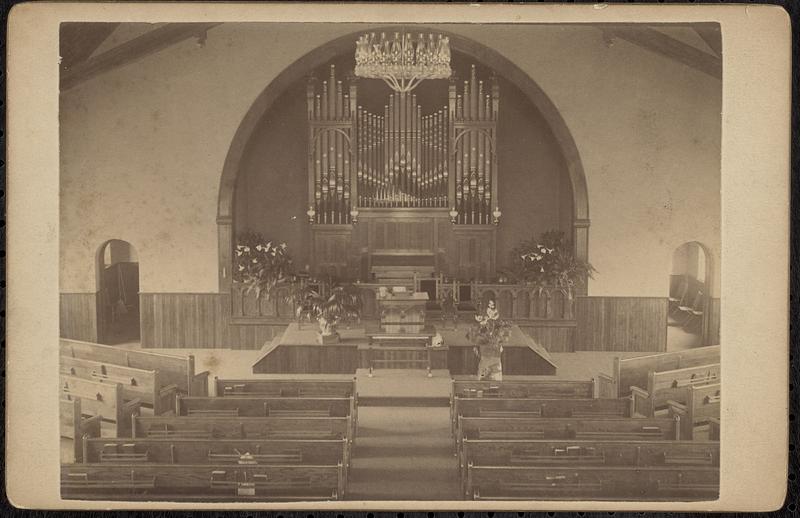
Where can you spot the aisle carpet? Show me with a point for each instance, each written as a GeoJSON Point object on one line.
{"type": "Point", "coordinates": [403, 453]}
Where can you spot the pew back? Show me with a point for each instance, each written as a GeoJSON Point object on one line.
{"type": "Point", "coordinates": [542, 389]}
{"type": "Point", "coordinates": [145, 385]}
{"type": "Point", "coordinates": [103, 399]}
{"type": "Point", "coordinates": [128, 481]}
{"type": "Point", "coordinates": [631, 372]}
{"type": "Point", "coordinates": [585, 453]}
{"type": "Point", "coordinates": [243, 406]}
{"type": "Point", "coordinates": [285, 387]}
{"type": "Point", "coordinates": [671, 385]}
{"type": "Point", "coordinates": [177, 370]}
{"type": "Point", "coordinates": [215, 451]}
{"type": "Point", "coordinates": [702, 404]}
{"type": "Point", "coordinates": [612, 428]}
{"type": "Point", "coordinates": [242, 427]}
{"type": "Point", "coordinates": [592, 482]}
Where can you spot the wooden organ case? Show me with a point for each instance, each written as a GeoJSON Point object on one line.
{"type": "Point", "coordinates": [403, 192]}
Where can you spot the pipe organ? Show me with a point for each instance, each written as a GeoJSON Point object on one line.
{"type": "Point", "coordinates": [415, 160]}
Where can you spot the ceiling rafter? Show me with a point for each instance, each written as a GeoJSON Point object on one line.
{"type": "Point", "coordinates": [669, 47]}
{"type": "Point", "coordinates": [130, 51]}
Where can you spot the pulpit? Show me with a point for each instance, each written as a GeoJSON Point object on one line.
{"type": "Point", "coordinates": [402, 313]}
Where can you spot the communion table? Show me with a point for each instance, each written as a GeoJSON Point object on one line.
{"type": "Point", "coordinates": [296, 351]}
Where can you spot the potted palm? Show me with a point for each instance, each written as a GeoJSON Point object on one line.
{"type": "Point", "coordinates": [342, 304]}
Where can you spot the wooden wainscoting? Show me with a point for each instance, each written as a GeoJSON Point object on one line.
{"type": "Point", "coordinates": [621, 324]}
{"type": "Point", "coordinates": [199, 320]}
{"type": "Point", "coordinates": [78, 316]}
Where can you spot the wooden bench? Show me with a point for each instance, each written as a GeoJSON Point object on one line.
{"type": "Point", "coordinates": [141, 384]}
{"type": "Point", "coordinates": [285, 387]}
{"type": "Point", "coordinates": [240, 406]}
{"type": "Point", "coordinates": [605, 428]}
{"type": "Point", "coordinates": [592, 482]}
{"type": "Point", "coordinates": [207, 482]}
{"type": "Point", "coordinates": [585, 453]}
{"type": "Point", "coordinates": [176, 370]}
{"type": "Point", "coordinates": [502, 407]}
{"type": "Point", "coordinates": [214, 451]}
{"type": "Point", "coordinates": [289, 388]}
{"type": "Point", "coordinates": [103, 399]}
{"type": "Point", "coordinates": [670, 385]}
{"type": "Point", "coordinates": [242, 427]}
{"type": "Point", "coordinates": [519, 389]}
{"type": "Point", "coordinates": [73, 425]}
{"type": "Point", "coordinates": [633, 372]}
{"type": "Point", "coordinates": [699, 405]}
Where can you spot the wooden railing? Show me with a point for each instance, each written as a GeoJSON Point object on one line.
{"type": "Point", "coordinates": [515, 302]}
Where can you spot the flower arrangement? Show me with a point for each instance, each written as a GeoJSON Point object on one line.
{"type": "Point", "coordinates": [342, 304]}
{"type": "Point", "coordinates": [548, 262]}
{"type": "Point", "coordinates": [488, 334]}
{"type": "Point", "coordinates": [261, 265]}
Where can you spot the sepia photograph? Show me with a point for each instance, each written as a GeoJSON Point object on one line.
{"type": "Point", "coordinates": [436, 261]}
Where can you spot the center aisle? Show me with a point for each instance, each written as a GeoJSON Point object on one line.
{"type": "Point", "coordinates": [403, 453]}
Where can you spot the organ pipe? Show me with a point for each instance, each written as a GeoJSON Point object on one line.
{"type": "Point", "coordinates": [403, 157]}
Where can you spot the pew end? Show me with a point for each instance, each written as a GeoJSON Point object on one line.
{"type": "Point", "coordinates": [606, 386]}
{"type": "Point", "coordinates": [641, 403]}
{"type": "Point", "coordinates": [199, 384]}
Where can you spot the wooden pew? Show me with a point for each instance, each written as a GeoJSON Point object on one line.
{"type": "Point", "coordinates": [309, 387]}
{"type": "Point", "coordinates": [242, 427]}
{"type": "Point", "coordinates": [207, 482]}
{"type": "Point", "coordinates": [144, 385]}
{"type": "Point", "coordinates": [502, 407]}
{"type": "Point", "coordinates": [633, 372]}
{"type": "Point", "coordinates": [699, 405]}
{"type": "Point", "coordinates": [713, 429]}
{"type": "Point", "coordinates": [592, 482]}
{"type": "Point", "coordinates": [585, 453]}
{"type": "Point", "coordinates": [74, 426]}
{"type": "Point", "coordinates": [608, 428]}
{"type": "Point", "coordinates": [519, 389]}
{"type": "Point", "coordinates": [542, 389]}
{"type": "Point", "coordinates": [663, 386]}
{"type": "Point", "coordinates": [267, 407]}
{"type": "Point", "coordinates": [285, 387]}
{"type": "Point", "coordinates": [103, 399]}
{"type": "Point", "coordinates": [177, 370]}
{"type": "Point", "coordinates": [214, 451]}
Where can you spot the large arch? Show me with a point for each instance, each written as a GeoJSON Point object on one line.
{"type": "Point", "coordinates": [323, 54]}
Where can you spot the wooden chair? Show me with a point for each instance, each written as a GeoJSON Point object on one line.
{"type": "Point", "coordinates": [678, 296]}
{"type": "Point", "coordinates": [694, 311]}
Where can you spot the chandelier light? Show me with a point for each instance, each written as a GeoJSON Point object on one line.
{"type": "Point", "coordinates": [403, 62]}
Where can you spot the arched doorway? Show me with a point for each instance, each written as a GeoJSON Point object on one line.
{"type": "Point", "coordinates": [302, 67]}
{"type": "Point", "coordinates": [118, 283]}
{"type": "Point", "coordinates": [690, 286]}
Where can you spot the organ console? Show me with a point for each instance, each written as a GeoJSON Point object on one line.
{"type": "Point", "coordinates": [411, 161]}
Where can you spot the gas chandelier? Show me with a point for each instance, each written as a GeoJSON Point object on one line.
{"type": "Point", "coordinates": [403, 62]}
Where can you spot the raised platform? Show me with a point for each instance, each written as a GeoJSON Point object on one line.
{"type": "Point", "coordinates": [296, 351]}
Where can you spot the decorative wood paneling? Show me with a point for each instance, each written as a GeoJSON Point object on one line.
{"type": "Point", "coordinates": [78, 316]}
{"type": "Point", "coordinates": [713, 321]}
{"type": "Point", "coordinates": [621, 324]}
{"type": "Point", "coordinates": [473, 252]}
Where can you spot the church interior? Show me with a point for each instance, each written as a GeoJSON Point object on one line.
{"type": "Point", "coordinates": [376, 262]}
